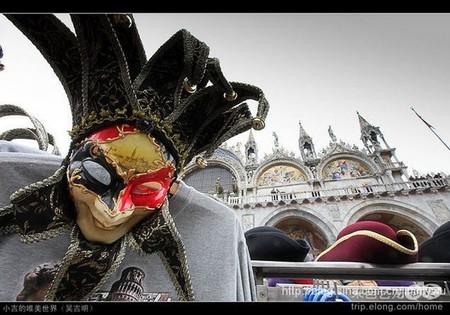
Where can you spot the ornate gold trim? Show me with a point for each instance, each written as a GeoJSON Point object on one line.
{"type": "Point", "coordinates": [380, 238]}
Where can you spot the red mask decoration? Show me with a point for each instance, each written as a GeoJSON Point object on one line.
{"type": "Point", "coordinates": [117, 177]}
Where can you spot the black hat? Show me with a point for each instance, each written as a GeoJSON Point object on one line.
{"type": "Point", "coordinates": [270, 243]}
{"type": "Point", "coordinates": [435, 249]}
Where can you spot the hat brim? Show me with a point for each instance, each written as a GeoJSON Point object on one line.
{"type": "Point", "coordinates": [371, 247]}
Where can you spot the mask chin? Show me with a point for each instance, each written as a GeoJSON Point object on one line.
{"type": "Point", "coordinates": [93, 233]}
{"type": "Point", "coordinates": [94, 220]}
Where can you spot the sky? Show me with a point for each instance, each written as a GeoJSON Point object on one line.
{"type": "Point", "coordinates": [319, 69]}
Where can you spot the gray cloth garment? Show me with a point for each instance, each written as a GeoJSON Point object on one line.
{"type": "Point", "coordinates": [19, 168]}
{"type": "Point", "coordinates": [9, 146]}
{"type": "Point", "coordinates": [217, 253]}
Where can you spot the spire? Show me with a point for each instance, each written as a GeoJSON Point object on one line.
{"type": "Point", "coordinates": [251, 138]}
{"type": "Point", "coordinates": [302, 133]}
{"type": "Point", "coordinates": [306, 145]}
{"type": "Point", "coordinates": [251, 150]}
{"type": "Point", "coordinates": [373, 140]}
{"type": "Point", "coordinates": [364, 125]}
{"type": "Point", "coordinates": [370, 135]}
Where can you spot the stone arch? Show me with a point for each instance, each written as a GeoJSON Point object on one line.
{"type": "Point", "coordinates": [396, 214]}
{"type": "Point", "coordinates": [224, 158]}
{"type": "Point", "coordinates": [207, 179]}
{"type": "Point", "coordinates": [302, 218]}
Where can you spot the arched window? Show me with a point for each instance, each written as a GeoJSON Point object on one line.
{"type": "Point", "coordinates": [205, 179]}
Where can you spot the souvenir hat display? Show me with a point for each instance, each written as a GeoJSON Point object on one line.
{"type": "Point", "coordinates": [372, 242]}
{"type": "Point", "coordinates": [270, 243]}
{"type": "Point", "coordinates": [435, 249]}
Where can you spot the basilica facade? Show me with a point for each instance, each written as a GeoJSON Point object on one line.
{"type": "Point", "coordinates": [314, 195]}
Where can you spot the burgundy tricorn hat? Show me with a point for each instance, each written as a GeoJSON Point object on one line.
{"type": "Point", "coordinates": [372, 242]}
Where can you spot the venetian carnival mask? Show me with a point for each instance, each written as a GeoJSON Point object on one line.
{"type": "Point", "coordinates": [117, 177]}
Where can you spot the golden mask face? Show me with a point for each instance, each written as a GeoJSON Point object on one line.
{"type": "Point", "coordinates": [116, 178]}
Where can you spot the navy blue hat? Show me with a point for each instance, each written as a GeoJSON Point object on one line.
{"type": "Point", "coordinates": [270, 243]}
{"type": "Point", "coordinates": [435, 249]}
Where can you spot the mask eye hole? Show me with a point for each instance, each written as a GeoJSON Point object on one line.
{"type": "Point", "coordinates": [96, 172]}
{"type": "Point", "coordinates": [147, 188]}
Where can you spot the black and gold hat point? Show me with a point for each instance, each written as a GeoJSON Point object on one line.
{"type": "Point", "coordinates": [180, 94]}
